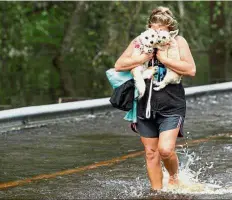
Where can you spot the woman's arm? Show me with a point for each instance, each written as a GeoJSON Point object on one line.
{"type": "Point", "coordinates": [126, 62]}
{"type": "Point", "coordinates": [186, 65]}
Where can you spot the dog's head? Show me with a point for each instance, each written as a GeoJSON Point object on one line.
{"type": "Point", "coordinates": [165, 37]}
{"type": "Point", "coordinates": [149, 38]}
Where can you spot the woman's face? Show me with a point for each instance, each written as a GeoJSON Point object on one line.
{"type": "Point", "coordinates": [159, 27]}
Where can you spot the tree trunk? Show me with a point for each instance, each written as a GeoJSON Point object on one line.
{"type": "Point", "coordinates": [66, 83]}
{"type": "Point", "coordinates": [181, 13]}
{"type": "Point", "coordinates": [217, 55]}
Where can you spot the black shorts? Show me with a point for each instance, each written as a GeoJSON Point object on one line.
{"type": "Point", "coordinates": [151, 128]}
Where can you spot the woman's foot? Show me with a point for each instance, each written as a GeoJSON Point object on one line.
{"type": "Point", "coordinates": [173, 182]}
{"type": "Point", "coordinates": [155, 190]}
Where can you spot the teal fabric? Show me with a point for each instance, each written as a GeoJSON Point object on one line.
{"type": "Point", "coordinates": [131, 115]}
{"type": "Point", "coordinates": [118, 78]}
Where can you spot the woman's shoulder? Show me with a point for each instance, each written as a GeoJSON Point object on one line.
{"type": "Point", "coordinates": [135, 39]}
{"type": "Point", "coordinates": [181, 40]}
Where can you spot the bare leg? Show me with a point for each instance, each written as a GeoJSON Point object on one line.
{"type": "Point", "coordinates": [153, 162]}
{"type": "Point", "coordinates": [166, 146]}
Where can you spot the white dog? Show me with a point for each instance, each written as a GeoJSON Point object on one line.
{"type": "Point", "coordinates": [168, 38]}
{"type": "Point", "coordinates": [144, 44]}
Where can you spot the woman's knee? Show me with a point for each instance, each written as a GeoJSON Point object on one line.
{"type": "Point", "coordinates": [152, 154]}
{"type": "Point", "coordinates": [165, 152]}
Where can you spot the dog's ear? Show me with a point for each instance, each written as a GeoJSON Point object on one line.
{"type": "Point", "coordinates": [173, 34]}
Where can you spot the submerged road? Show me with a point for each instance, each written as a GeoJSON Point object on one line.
{"type": "Point", "coordinates": [61, 154]}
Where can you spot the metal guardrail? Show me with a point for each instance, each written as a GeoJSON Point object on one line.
{"type": "Point", "coordinates": [218, 87]}
{"type": "Point", "coordinates": [30, 115]}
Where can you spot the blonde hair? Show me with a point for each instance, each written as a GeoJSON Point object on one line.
{"type": "Point", "coordinates": [162, 15]}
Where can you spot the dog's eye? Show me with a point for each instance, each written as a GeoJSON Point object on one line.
{"type": "Point", "coordinates": [152, 36]}
{"type": "Point", "coordinates": [146, 38]}
{"type": "Point", "coordinates": [164, 37]}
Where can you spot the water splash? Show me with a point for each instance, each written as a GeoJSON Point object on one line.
{"type": "Point", "coordinates": [191, 176]}
{"type": "Point", "coordinates": [196, 174]}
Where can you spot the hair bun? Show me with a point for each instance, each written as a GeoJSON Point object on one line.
{"type": "Point", "coordinates": [163, 15]}
{"type": "Point", "coordinates": [162, 11]}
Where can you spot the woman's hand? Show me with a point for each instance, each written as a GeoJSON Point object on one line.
{"type": "Point", "coordinates": [162, 55]}
{"type": "Point", "coordinates": [186, 64]}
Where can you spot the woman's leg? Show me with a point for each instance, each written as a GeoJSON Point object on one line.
{"type": "Point", "coordinates": [166, 147]}
{"type": "Point", "coordinates": [153, 163]}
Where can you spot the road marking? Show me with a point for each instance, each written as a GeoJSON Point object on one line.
{"type": "Point", "coordinates": [70, 171]}
{"type": "Point", "coordinates": [100, 164]}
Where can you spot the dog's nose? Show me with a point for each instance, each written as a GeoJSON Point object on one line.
{"type": "Point", "coordinates": [151, 42]}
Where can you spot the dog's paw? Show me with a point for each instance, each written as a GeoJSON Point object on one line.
{"type": "Point", "coordinates": [156, 88]}
{"type": "Point", "coordinates": [159, 86]}
{"type": "Point", "coordinates": [141, 92]}
{"type": "Point", "coordinates": [150, 50]}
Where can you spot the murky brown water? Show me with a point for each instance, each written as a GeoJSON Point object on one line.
{"type": "Point", "coordinates": [78, 142]}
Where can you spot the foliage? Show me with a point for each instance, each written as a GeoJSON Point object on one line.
{"type": "Point", "coordinates": [56, 49]}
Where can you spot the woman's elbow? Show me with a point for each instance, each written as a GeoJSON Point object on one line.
{"type": "Point", "coordinates": [192, 72]}
{"type": "Point", "coordinates": [117, 67]}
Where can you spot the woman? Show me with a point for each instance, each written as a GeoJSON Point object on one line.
{"type": "Point", "coordinates": [159, 132]}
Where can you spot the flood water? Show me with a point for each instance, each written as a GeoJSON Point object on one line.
{"type": "Point", "coordinates": [205, 167]}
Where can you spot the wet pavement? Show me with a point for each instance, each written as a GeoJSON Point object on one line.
{"type": "Point", "coordinates": [77, 142]}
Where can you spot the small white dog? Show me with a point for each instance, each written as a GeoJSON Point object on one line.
{"type": "Point", "coordinates": [168, 38]}
{"type": "Point", "coordinates": [144, 44]}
